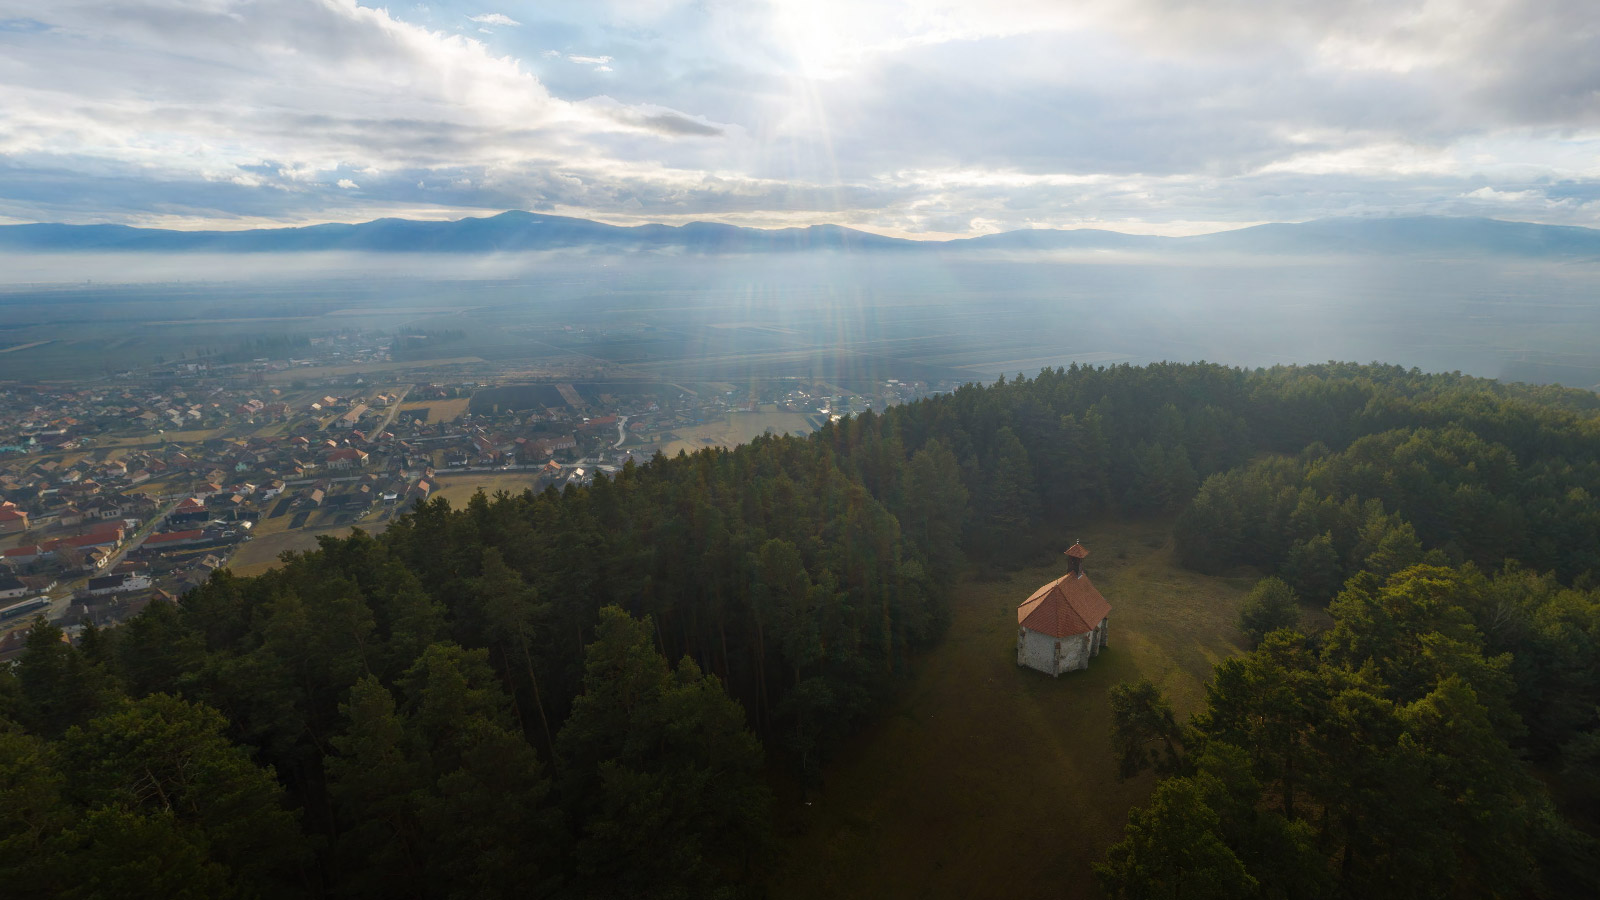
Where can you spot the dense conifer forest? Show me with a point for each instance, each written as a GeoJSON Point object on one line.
{"type": "Point", "coordinates": [582, 694]}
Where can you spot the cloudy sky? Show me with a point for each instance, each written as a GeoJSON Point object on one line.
{"type": "Point", "coordinates": [917, 118]}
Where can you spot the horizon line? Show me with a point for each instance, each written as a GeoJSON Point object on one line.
{"type": "Point", "coordinates": [914, 237]}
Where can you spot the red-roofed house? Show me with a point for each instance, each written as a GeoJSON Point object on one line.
{"type": "Point", "coordinates": [1063, 625]}
{"type": "Point", "coordinates": [13, 521]}
{"type": "Point", "coordinates": [346, 457]}
{"type": "Point", "coordinates": [25, 554]}
{"type": "Point", "coordinates": [103, 536]}
{"type": "Point", "coordinates": [168, 539]}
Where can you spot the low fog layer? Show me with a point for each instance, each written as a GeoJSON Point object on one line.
{"type": "Point", "coordinates": [945, 315]}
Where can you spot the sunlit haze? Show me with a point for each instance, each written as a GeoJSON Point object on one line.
{"type": "Point", "coordinates": [915, 119]}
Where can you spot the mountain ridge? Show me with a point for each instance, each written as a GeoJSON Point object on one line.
{"type": "Point", "coordinates": [520, 231]}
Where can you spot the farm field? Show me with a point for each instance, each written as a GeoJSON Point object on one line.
{"type": "Point", "coordinates": [458, 489]}
{"type": "Point", "coordinates": [170, 437]}
{"type": "Point", "coordinates": [735, 429]}
{"type": "Point", "coordinates": [988, 780]}
{"type": "Point", "coordinates": [439, 410]}
{"type": "Point", "coordinates": [315, 373]}
{"type": "Point", "coordinates": [261, 552]}
{"type": "Point", "coordinates": [273, 535]}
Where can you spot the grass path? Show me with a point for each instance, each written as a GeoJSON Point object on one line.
{"type": "Point", "coordinates": [986, 780]}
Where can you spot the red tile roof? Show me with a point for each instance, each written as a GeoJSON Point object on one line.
{"type": "Point", "coordinates": [92, 539]}
{"type": "Point", "coordinates": [168, 537]}
{"type": "Point", "coordinates": [1077, 550]}
{"type": "Point", "coordinates": [1067, 606]}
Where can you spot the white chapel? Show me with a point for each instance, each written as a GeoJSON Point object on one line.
{"type": "Point", "coordinates": [1063, 625]}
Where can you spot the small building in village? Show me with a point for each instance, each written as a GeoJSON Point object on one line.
{"type": "Point", "coordinates": [13, 520]}
{"type": "Point", "coordinates": [1063, 625]}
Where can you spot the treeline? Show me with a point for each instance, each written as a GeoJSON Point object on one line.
{"type": "Point", "coordinates": [1411, 749]}
{"type": "Point", "coordinates": [414, 344]}
{"type": "Point", "coordinates": [1066, 444]}
{"type": "Point", "coordinates": [413, 782]}
{"type": "Point", "coordinates": [1322, 515]}
{"type": "Point", "coordinates": [1381, 758]}
{"type": "Point", "coordinates": [573, 693]}
{"type": "Point", "coordinates": [275, 346]}
{"type": "Point", "coordinates": [1478, 470]}
{"type": "Point", "coordinates": [1493, 480]}
{"type": "Point", "coordinates": [478, 702]}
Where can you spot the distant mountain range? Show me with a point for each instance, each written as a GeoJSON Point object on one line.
{"type": "Point", "coordinates": [523, 231]}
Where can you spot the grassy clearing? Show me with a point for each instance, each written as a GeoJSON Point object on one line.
{"type": "Point", "coordinates": [736, 428]}
{"type": "Point", "coordinates": [439, 410]}
{"type": "Point", "coordinates": [271, 430]}
{"type": "Point", "coordinates": [193, 436]}
{"type": "Point", "coordinates": [458, 489]}
{"type": "Point", "coordinates": [273, 536]}
{"type": "Point", "coordinates": [987, 780]}
{"type": "Point", "coordinates": [261, 552]}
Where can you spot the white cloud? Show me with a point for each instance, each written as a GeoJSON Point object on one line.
{"type": "Point", "coordinates": [495, 19]}
{"type": "Point", "coordinates": [908, 116]}
{"type": "Point", "coordinates": [598, 63]}
{"type": "Point", "coordinates": [313, 84]}
{"type": "Point", "coordinates": [1383, 158]}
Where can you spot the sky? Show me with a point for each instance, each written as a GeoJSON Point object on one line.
{"type": "Point", "coordinates": [922, 118]}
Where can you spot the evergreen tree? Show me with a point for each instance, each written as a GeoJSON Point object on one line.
{"type": "Point", "coordinates": [1012, 499]}
{"type": "Point", "coordinates": [935, 509]}
{"type": "Point", "coordinates": [168, 762]}
{"type": "Point", "coordinates": [666, 771]}
{"type": "Point", "coordinates": [1270, 605]}
{"type": "Point", "coordinates": [1173, 850]}
{"type": "Point", "coordinates": [57, 687]}
{"type": "Point", "coordinates": [1312, 568]}
{"type": "Point", "coordinates": [1144, 731]}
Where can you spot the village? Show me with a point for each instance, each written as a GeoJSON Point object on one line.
{"type": "Point", "coordinates": [118, 492]}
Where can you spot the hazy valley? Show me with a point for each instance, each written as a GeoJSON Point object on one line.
{"type": "Point", "coordinates": [1434, 301]}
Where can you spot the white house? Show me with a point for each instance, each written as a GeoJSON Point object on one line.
{"type": "Point", "coordinates": [1063, 625]}
{"type": "Point", "coordinates": [116, 584]}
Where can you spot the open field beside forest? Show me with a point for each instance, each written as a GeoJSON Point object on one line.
{"type": "Point", "coordinates": [988, 780]}
{"type": "Point", "coordinates": [261, 553]}
{"type": "Point", "coordinates": [458, 489]}
{"type": "Point", "coordinates": [273, 535]}
{"type": "Point", "coordinates": [736, 428]}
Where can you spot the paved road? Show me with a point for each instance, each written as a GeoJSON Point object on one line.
{"type": "Point", "coordinates": [139, 536]}
{"type": "Point", "coordinates": [622, 435]}
{"type": "Point", "coordinates": [394, 410]}
{"type": "Point", "coordinates": [62, 597]}
{"type": "Point", "coordinates": [526, 467]}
